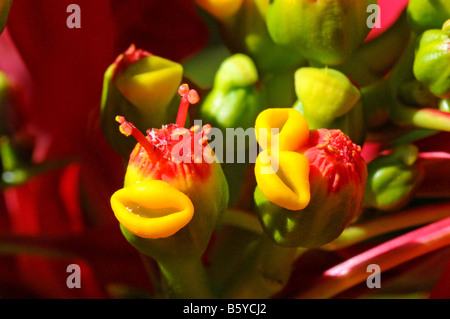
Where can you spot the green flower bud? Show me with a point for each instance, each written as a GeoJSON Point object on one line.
{"type": "Point", "coordinates": [328, 99]}
{"type": "Point", "coordinates": [325, 31]}
{"type": "Point", "coordinates": [5, 6]}
{"type": "Point", "coordinates": [235, 100]}
{"type": "Point", "coordinates": [432, 61]}
{"type": "Point", "coordinates": [142, 87]}
{"type": "Point", "coordinates": [427, 14]}
{"type": "Point", "coordinates": [392, 179]}
{"type": "Point", "coordinates": [247, 32]}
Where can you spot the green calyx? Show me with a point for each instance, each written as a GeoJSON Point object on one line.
{"type": "Point", "coordinates": [432, 61]}
{"type": "Point", "coordinates": [326, 32]}
{"type": "Point", "coordinates": [392, 179]}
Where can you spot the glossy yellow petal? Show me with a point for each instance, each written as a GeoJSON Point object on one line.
{"type": "Point", "coordinates": [286, 125]}
{"type": "Point", "coordinates": [284, 180]}
{"type": "Point", "coordinates": [152, 209]}
{"type": "Point", "coordinates": [221, 9]}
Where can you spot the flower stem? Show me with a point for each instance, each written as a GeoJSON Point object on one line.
{"type": "Point", "coordinates": [427, 118]}
{"type": "Point", "coordinates": [243, 220]}
{"type": "Point", "coordinates": [265, 270]}
{"type": "Point", "coordinates": [387, 255]}
{"type": "Point", "coordinates": [154, 273]}
{"type": "Point", "coordinates": [407, 218]}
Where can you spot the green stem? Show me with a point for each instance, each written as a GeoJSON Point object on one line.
{"type": "Point", "coordinates": [402, 73]}
{"type": "Point", "coordinates": [152, 268]}
{"type": "Point", "coordinates": [427, 118]}
{"type": "Point", "coordinates": [408, 218]}
{"type": "Point", "coordinates": [386, 256]}
{"type": "Point", "coordinates": [243, 220]}
{"type": "Point", "coordinates": [374, 97]}
{"type": "Point", "coordinates": [186, 278]}
{"type": "Point", "coordinates": [265, 270]}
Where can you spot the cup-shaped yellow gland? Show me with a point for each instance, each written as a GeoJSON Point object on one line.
{"type": "Point", "coordinates": [152, 209]}
{"type": "Point", "coordinates": [284, 178]}
{"type": "Point", "coordinates": [284, 128]}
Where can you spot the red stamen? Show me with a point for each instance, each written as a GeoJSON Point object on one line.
{"type": "Point", "coordinates": [187, 97]}
{"type": "Point", "coordinates": [128, 128]}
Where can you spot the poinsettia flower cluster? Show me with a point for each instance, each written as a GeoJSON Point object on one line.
{"type": "Point", "coordinates": [61, 170]}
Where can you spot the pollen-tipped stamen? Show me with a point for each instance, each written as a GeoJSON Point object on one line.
{"type": "Point", "coordinates": [128, 128]}
{"type": "Point", "coordinates": [187, 97]}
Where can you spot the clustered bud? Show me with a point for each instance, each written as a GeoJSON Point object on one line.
{"type": "Point", "coordinates": [316, 191]}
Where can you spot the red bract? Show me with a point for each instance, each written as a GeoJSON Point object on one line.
{"type": "Point", "coordinates": [67, 65]}
{"type": "Point", "coordinates": [389, 12]}
{"type": "Point", "coordinates": [59, 73]}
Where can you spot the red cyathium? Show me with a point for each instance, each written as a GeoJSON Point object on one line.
{"type": "Point", "coordinates": [173, 150]}
{"type": "Point", "coordinates": [336, 157]}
